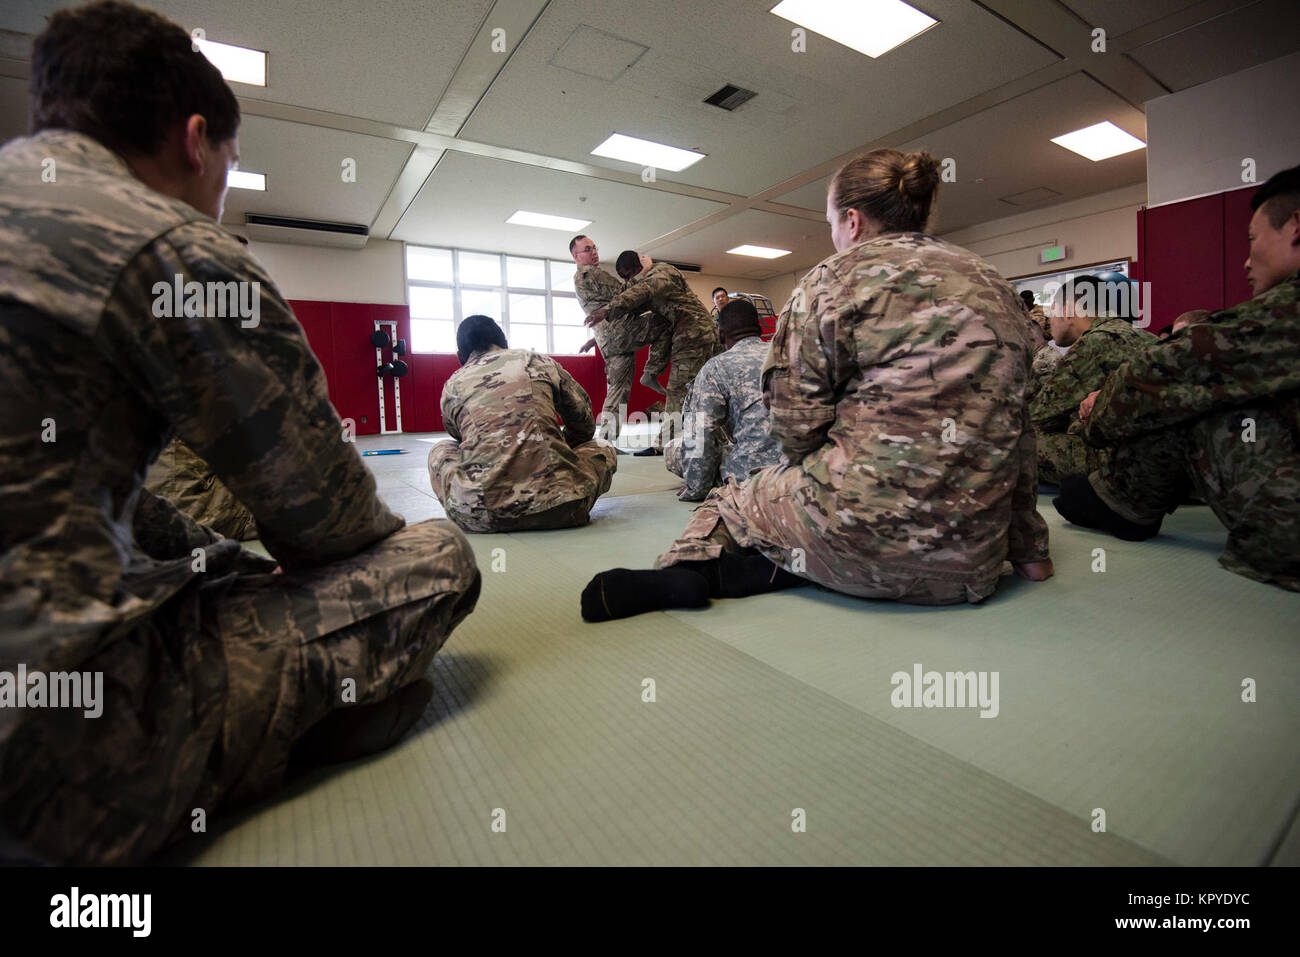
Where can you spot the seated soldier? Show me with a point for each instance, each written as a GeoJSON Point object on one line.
{"type": "Point", "coordinates": [1215, 408]}
{"type": "Point", "coordinates": [216, 673]}
{"type": "Point", "coordinates": [1098, 344]}
{"type": "Point", "coordinates": [186, 481]}
{"type": "Point", "coordinates": [510, 467]}
{"type": "Point", "coordinates": [724, 422]}
{"type": "Point", "coordinates": [896, 383]}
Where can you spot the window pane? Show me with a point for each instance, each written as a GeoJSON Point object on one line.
{"type": "Point", "coordinates": [566, 311]}
{"type": "Point", "coordinates": [527, 309]}
{"type": "Point", "coordinates": [433, 265]}
{"type": "Point", "coordinates": [475, 303]}
{"type": "Point", "coordinates": [569, 339]}
{"type": "Point", "coordinates": [528, 273]}
{"type": "Point", "coordinates": [480, 269]}
{"type": "Point", "coordinates": [433, 335]}
{"type": "Point", "coordinates": [562, 276]}
{"type": "Point", "coordinates": [527, 337]}
{"type": "Point", "coordinates": [427, 303]}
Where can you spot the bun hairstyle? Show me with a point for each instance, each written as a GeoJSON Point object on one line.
{"type": "Point", "coordinates": [894, 190]}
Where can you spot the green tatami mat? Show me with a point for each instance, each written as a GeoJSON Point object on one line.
{"type": "Point", "coordinates": [1118, 690]}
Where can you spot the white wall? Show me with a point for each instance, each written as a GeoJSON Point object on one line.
{"type": "Point", "coordinates": [1198, 138]}
{"type": "Point", "coordinates": [371, 274]}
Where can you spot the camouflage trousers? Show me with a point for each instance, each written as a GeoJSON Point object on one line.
{"type": "Point", "coordinates": [1244, 464]}
{"type": "Point", "coordinates": [185, 480]}
{"type": "Point", "coordinates": [673, 456]}
{"type": "Point", "coordinates": [765, 514]}
{"type": "Point", "coordinates": [1064, 453]}
{"type": "Point", "coordinates": [596, 459]}
{"type": "Point", "coordinates": [619, 341]}
{"type": "Point", "coordinates": [205, 697]}
{"type": "Point", "coordinates": [687, 362]}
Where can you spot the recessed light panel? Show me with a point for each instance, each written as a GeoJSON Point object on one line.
{"type": "Point", "coordinates": [241, 179]}
{"type": "Point", "coordinates": [873, 27]}
{"type": "Point", "coordinates": [630, 149]}
{"type": "Point", "coordinates": [759, 252]}
{"type": "Point", "coordinates": [237, 64]}
{"type": "Point", "coordinates": [1099, 142]}
{"type": "Point", "coordinates": [522, 217]}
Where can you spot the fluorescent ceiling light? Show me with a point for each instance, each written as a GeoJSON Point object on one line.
{"type": "Point", "coordinates": [1099, 142]}
{"type": "Point", "coordinates": [522, 217]}
{"type": "Point", "coordinates": [647, 153]}
{"type": "Point", "coordinates": [237, 64]}
{"type": "Point", "coordinates": [239, 179]}
{"type": "Point", "coordinates": [761, 252]}
{"type": "Point", "coordinates": [872, 27]}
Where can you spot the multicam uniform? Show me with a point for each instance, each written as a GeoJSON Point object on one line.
{"type": "Point", "coordinates": [1215, 409]}
{"type": "Point", "coordinates": [618, 340]}
{"type": "Point", "coordinates": [212, 667]}
{"type": "Point", "coordinates": [510, 468]}
{"type": "Point", "coordinates": [185, 480]}
{"type": "Point", "coordinates": [896, 383]}
{"type": "Point", "coordinates": [1054, 408]}
{"type": "Point", "coordinates": [725, 432]}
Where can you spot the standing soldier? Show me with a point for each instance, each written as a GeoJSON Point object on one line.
{"type": "Point", "coordinates": [618, 341]}
{"type": "Point", "coordinates": [509, 467]}
{"type": "Point", "coordinates": [896, 384]}
{"type": "Point", "coordinates": [1098, 345]}
{"type": "Point", "coordinates": [1215, 410]}
{"type": "Point", "coordinates": [216, 673]}
{"type": "Point", "coordinates": [661, 288]}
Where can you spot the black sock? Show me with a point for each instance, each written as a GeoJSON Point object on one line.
{"type": "Point", "coordinates": [739, 576]}
{"type": "Point", "coordinates": [1080, 504]}
{"type": "Point", "coordinates": [623, 592]}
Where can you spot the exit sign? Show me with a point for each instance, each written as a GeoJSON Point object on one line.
{"type": "Point", "coordinates": [1052, 253]}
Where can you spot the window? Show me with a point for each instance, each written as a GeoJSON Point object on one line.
{"type": "Point", "coordinates": [532, 299]}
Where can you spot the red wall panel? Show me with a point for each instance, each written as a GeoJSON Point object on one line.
{"type": "Point", "coordinates": [314, 317]}
{"type": "Point", "coordinates": [356, 392]}
{"type": "Point", "coordinates": [1183, 258]}
{"type": "Point", "coordinates": [1236, 221]}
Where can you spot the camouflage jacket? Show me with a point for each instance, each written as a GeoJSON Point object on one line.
{"type": "Point", "coordinates": [595, 289]}
{"type": "Point", "coordinates": [663, 289]}
{"type": "Point", "coordinates": [93, 384]}
{"type": "Point", "coordinates": [1045, 361]}
{"type": "Point", "coordinates": [896, 382]}
{"type": "Point", "coordinates": [501, 406]}
{"type": "Point", "coordinates": [1248, 352]}
{"type": "Point", "coordinates": [1104, 346]}
{"type": "Point", "coordinates": [184, 479]}
{"type": "Point", "coordinates": [725, 431]}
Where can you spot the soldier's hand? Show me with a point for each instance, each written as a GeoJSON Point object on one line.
{"type": "Point", "coordinates": [1085, 407]}
{"type": "Point", "coordinates": [587, 346]}
{"type": "Point", "coordinates": [596, 317]}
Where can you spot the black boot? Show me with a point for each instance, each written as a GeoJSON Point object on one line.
{"type": "Point", "coordinates": [739, 576]}
{"type": "Point", "coordinates": [624, 592]}
{"type": "Point", "coordinates": [353, 732]}
{"type": "Point", "coordinates": [1079, 504]}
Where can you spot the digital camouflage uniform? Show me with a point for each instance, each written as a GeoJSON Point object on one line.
{"type": "Point", "coordinates": [619, 339]}
{"type": "Point", "coordinates": [213, 667]}
{"type": "Point", "coordinates": [185, 480]}
{"type": "Point", "coordinates": [663, 289]}
{"type": "Point", "coordinates": [725, 431]}
{"type": "Point", "coordinates": [510, 468]}
{"type": "Point", "coordinates": [896, 384]}
{"type": "Point", "coordinates": [1039, 318]}
{"type": "Point", "coordinates": [1215, 409]}
{"type": "Point", "coordinates": [1044, 363]}
{"type": "Point", "coordinates": [1054, 408]}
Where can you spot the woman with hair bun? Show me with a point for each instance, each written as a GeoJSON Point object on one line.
{"type": "Point", "coordinates": [896, 388]}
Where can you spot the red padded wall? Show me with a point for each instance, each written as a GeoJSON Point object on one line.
{"type": "Point", "coordinates": [1236, 222]}
{"type": "Point", "coordinates": [1183, 258]}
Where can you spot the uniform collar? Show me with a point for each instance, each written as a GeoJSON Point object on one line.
{"type": "Point", "coordinates": [87, 151]}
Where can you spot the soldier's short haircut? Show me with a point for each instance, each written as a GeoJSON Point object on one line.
{"type": "Point", "coordinates": [477, 333]}
{"type": "Point", "coordinates": [125, 76]}
{"type": "Point", "coordinates": [628, 261]}
{"type": "Point", "coordinates": [1282, 194]}
{"type": "Point", "coordinates": [574, 241]}
{"type": "Point", "coordinates": [1028, 298]}
{"type": "Point", "coordinates": [895, 190]}
{"type": "Point", "coordinates": [718, 290]}
{"type": "Point", "coordinates": [1102, 296]}
{"type": "Point", "coordinates": [738, 319]}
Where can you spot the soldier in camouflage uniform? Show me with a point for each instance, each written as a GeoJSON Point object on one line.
{"type": "Point", "coordinates": [1215, 409]}
{"type": "Point", "coordinates": [662, 288]}
{"type": "Point", "coordinates": [896, 383]}
{"type": "Point", "coordinates": [725, 431]}
{"type": "Point", "coordinates": [185, 480]}
{"type": "Point", "coordinates": [1046, 359]}
{"type": "Point", "coordinates": [510, 468]}
{"type": "Point", "coordinates": [620, 339]}
{"type": "Point", "coordinates": [214, 669]}
{"type": "Point", "coordinates": [1098, 345]}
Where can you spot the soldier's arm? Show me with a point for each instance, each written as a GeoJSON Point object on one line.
{"type": "Point", "coordinates": [1027, 534]}
{"type": "Point", "coordinates": [163, 531]}
{"type": "Point", "coordinates": [1249, 352]}
{"type": "Point", "coordinates": [573, 405]}
{"type": "Point", "coordinates": [1054, 403]}
{"type": "Point", "coordinates": [248, 396]}
{"type": "Point", "coordinates": [640, 292]}
{"type": "Point", "coordinates": [797, 384]}
{"type": "Point", "coordinates": [704, 415]}
{"type": "Point", "coordinates": [450, 408]}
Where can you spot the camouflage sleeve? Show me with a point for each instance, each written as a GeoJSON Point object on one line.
{"type": "Point", "coordinates": [1027, 534]}
{"type": "Point", "coordinates": [797, 374]}
{"type": "Point", "coordinates": [247, 395]}
{"type": "Point", "coordinates": [1056, 401]}
{"type": "Point", "coordinates": [573, 404]}
{"type": "Point", "coordinates": [640, 291]}
{"type": "Point", "coordinates": [164, 531]}
{"type": "Point", "coordinates": [1248, 352]}
{"type": "Point", "coordinates": [450, 408]}
{"type": "Point", "coordinates": [704, 414]}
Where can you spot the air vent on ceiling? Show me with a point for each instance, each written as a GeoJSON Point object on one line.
{"type": "Point", "coordinates": [730, 97]}
{"type": "Point", "coordinates": [309, 232]}
{"type": "Point", "coordinates": [1030, 197]}
{"type": "Point", "coordinates": [684, 267]}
